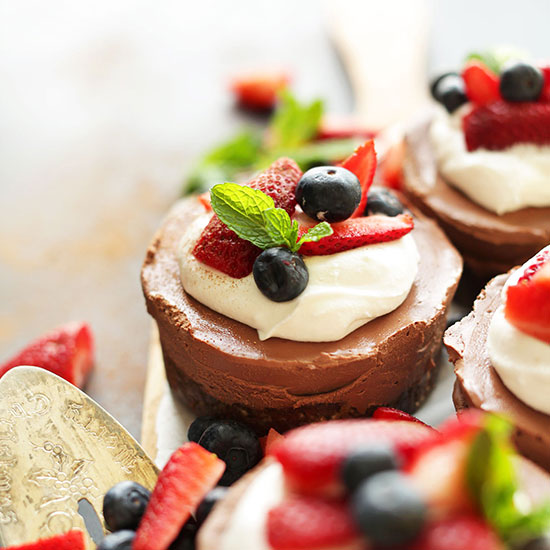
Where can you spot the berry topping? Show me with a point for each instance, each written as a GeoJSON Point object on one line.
{"type": "Point", "coordinates": [480, 82]}
{"type": "Point", "coordinates": [121, 540]}
{"type": "Point", "coordinates": [388, 509]}
{"type": "Point", "coordinates": [197, 427]}
{"type": "Point", "coordinates": [235, 444]}
{"type": "Point", "coordinates": [387, 413]}
{"type": "Point", "coordinates": [502, 124]}
{"type": "Point", "coordinates": [545, 94]}
{"type": "Point", "coordinates": [67, 351]}
{"type": "Point", "coordinates": [458, 533]}
{"type": "Point", "coordinates": [328, 193]}
{"type": "Point", "coordinates": [449, 90]}
{"type": "Point", "coordinates": [312, 456]}
{"type": "Point", "coordinates": [270, 439]}
{"type": "Point", "coordinates": [208, 502]}
{"type": "Point", "coordinates": [528, 301]}
{"type": "Point", "coordinates": [188, 475]}
{"type": "Point", "coordinates": [303, 523]}
{"type": "Point", "coordinates": [124, 505]}
{"type": "Point", "coordinates": [362, 162]}
{"type": "Point", "coordinates": [521, 81]}
{"type": "Point", "coordinates": [367, 461]}
{"type": "Point", "coordinates": [383, 201]}
{"type": "Point", "coordinates": [221, 248]}
{"type": "Point", "coordinates": [281, 275]}
{"type": "Point", "coordinates": [391, 169]}
{"type": "Point", "coordinates": [73, 540]}
{"type": "Point", "coordinates": [259, 91]}
{"type": "Point", "coordinates": [357, 232]}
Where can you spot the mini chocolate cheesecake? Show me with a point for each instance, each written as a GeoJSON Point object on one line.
{"type": "Point", "coordinates": [479, 385]}
{"type": "Point", "coordinates": [219, 367]}
{"type": "Point", "coordinates": [490, 243]}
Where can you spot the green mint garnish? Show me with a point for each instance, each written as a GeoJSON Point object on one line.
{"type": "Point", "coordinates": [496, 57]}
{"type": "Point", "coordinates": [253, 216]}
{"type": "Point", "coordinates": [491, 478]}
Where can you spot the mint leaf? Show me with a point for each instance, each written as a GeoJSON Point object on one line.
{"type": "Point", "coordinates": [294, 123]}
{"type": "Point", "coordinates": [496, 57]}
{"type": "Point", "coordinates": [492, 480]}
{"type": "Point", "coordinates": [252, 215]}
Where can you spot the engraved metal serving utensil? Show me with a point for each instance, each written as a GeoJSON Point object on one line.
{"type": "Point", "coordinates": [59, 454]}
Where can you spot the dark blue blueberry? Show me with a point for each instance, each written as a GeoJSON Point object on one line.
{"type": "Point", "coordinates": [388, 509]}
{"type": "Point", "coordinates": [328, 193]}
{"type": "Point", "coordinates": [280, 274]}
{"type": "Point", "coordinates": [540, 543]}
{"type": "Point", "coordinates": [367, 461]}
{"type": "Point", "coordinates": [121, 540]}
{"type": "Point", "coordinates": [521, 81]}
{"type": "Point", "coordinates": [124, 505]}
{"type": "Point", "coordinates": [235, 444]}
{"type": "Point", "coordinates": [211, 498]}
{"type": "Point", "coordinates": [435, 82]}
{"type": "Point", "coordinates": [186, 538]}
{"type": "Point", "coordinates": [383, 201]}
{"type": "Point", "coordinates": [450, 92]}
{"type": "Point", "coordinates": [197, 427]}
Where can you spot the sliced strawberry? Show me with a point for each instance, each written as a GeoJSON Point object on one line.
{"type": "Point", "coordinates": [465, 532]}
{"type": "Point", "coordinates": [312, 455]}
{"type": "Point", "coordinates": [387, 413]}
{"type": "Point", "coordinates": [303, 523]}
{"type": "Point", "coordinates": [482, 84]}
{"type": "Point", "coordinates": [67, 351]}
{"type": "Point", "coordinates": [73, 540]}
{"type": "Point", "coordinates": [188, 475]}
{"type": "Point", "coordinates": [221, 248]}
{"type": "Point", "coordinates": [545, 94]}
{"type": "Point", "coordinates": [501, 124]}
{"type": "Point", "coordinates": [259, 91]}
{"type": "Point", "coordinates": [270, 439]}
{"type": "Point", "coordinates": [355, 232]}
{"type": "Point", "coordinates": [391, 169]}
{"type": "Point", "coordinates": [204, 199]}
{"type": "Point", "coordinates": [341, 128]}
{"type": "Point", "coordinates": [362, 162]}
{"type": "Point", "coordinates": [528, 301]}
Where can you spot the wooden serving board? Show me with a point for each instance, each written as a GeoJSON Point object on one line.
{"type": "Point", "coordinates": [372, 39]}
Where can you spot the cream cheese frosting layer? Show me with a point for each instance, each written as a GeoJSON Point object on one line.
{"type": "Point", "coordinates": [500, 181]}
{"type": "Point", "coordinates": [345, 290]}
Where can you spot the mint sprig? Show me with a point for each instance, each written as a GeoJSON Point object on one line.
{"type": "Point", "coordinates": [495, 58]}
{"type": "Point", "coordinates": [492, 481]}
{"type": "Point", "coordinates": [252, 215]}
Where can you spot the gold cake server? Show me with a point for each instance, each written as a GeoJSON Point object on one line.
{"type": "Point", "coordinates": [59, 454]}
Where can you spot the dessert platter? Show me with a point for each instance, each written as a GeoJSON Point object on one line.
{"type": "Point", "coordinates": [300, 317]}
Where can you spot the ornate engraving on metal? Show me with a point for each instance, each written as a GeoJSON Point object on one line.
{"type": "Point", "coordinates": [57, 446]}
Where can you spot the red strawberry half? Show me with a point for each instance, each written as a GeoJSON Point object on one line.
{"type": "Point", "coordinates": [355, 232]}
{"type": "Point", "coordinates": [482, 84]}
{"type": "Point", "coordinates": [221, 248]}
{"type": "Point", "coordinates": [189, 474]}
{"type": "Point", "coordinates": [387, 413]}
{"type": "Point", "coordinates": [259, 91]}
{"type": "Point", "coordinates": [528, 301]}
{"type": "Point", "coordinates": [67, 351]}
{"type": "Point", "coordinates": [466, 532]}
{"type": "Point", "coordinates": [73, 540]}
{"type": "Point", "coordinates": [545, 94]}
{"type": "Point", "coordinates": [303, 523]}
{"type": "Point", "coordinates": [362, 162]}
{"type": "Point", "coordinates": [311, 456]}
{"type": "Point", "coordinates": [501, 124]}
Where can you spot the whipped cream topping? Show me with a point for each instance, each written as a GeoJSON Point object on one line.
{"type": "Point", "coordinates": [522, 362]}
{"type": "Point", "coordinates": [500, 181]}
{"type": "Point", "coordinates": [345, 290]}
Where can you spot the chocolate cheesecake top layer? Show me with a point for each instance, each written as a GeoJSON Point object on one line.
{"type": "Point", "coordinates": [498, 242]}
{"type": "Point", "coordinates": [228, 358]}
{"type": "Point", "coordinates": [478, 383]}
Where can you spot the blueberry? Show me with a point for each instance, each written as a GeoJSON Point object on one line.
{"type": "Point", "coordinates": [328, 193]}
{"type": "Point", "coordinates": [540, 543]}
{"type": "Point", "coordinates": [197, 427]}
{"type": "Point", "coordinates": [121, 540]}
{"type": "Point", "coordinates": [124, 504]}
{"type": "Point", "coordinates": [450, 92]}
{"type": "Point", "coordinates": [280, 274]}
{"type": "Point", "coordinates": [388, 509]}
{"type": "Point", "coordinates": [435, 82]}
{"type": "Point", "coordinates": [186, 538]}
{"type": "Point", "coordinates": [383, 201]}
{"type": "Point", "coordinates": [520, 81]}
{"type": "Point", "coordinates": [235, 444]}
{"type": "Point", "coordinates": [208, 502]}
{"type": "Point", "coordinates": [367, 461]}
